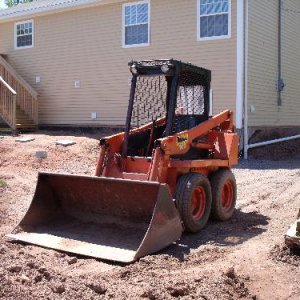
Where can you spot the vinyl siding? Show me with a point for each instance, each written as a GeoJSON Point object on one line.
{"type": "Point", "coordinates": [2, 121]}
{"type": "Point", "coordinates": [86, 45]}
{"type": "Point", "coordinates": [263, 63]}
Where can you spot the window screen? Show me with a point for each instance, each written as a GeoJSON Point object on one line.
{"type": "Point", "coordinates": [150, 100]}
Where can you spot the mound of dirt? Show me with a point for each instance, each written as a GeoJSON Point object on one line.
{"type": "Point", "coordinates": [34, 273]}
{"type": "Point", "coordinates": [285, 254]}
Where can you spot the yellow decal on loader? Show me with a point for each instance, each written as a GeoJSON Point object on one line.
{"type": "Point", "coordinates": [182, 141]}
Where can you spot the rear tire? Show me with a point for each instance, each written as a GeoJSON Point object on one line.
{"type": "Point", "coordinates": [193, 200]}
{"type": "Point", "coordinates": [224, 192]}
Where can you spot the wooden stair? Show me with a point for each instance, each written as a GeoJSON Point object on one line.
{"type": "Point", "coordinates": [23, 122]}
{"type": "Point", "coordinates": [18, 100]}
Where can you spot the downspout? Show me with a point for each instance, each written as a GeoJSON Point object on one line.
{"type": "Point", "coordinates": [246, 134]}
{"type": "Point", "coordinates": [240, 65]}
{"type": "Point", "coordinates": [280, 82]}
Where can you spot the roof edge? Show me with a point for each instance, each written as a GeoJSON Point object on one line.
{"type": "Point", "coordinates": [31, 12]}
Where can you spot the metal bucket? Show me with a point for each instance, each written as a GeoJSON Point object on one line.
{"type": "Point", "coordinates": [108, 218]}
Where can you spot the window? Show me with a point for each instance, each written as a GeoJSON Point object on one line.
{"type": "Point", "coordinates": [136, 27]}
{"type": "Point", "coordinates": [214, 19]}
{"type": "Point", "coordinates": [24, 34]}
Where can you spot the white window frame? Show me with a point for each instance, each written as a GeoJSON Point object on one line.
{"type": "Point", "coordinates": [220, 37]}
{"type": "Point", "coordinates": [123, 23]}
{"type": "Point", "coordinates": [15, 34]}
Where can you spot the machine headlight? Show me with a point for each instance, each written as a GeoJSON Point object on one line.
{"type": "Point", "coordinates": [133, 69]}
{"type": "Point", "coordinates": [165, 68]}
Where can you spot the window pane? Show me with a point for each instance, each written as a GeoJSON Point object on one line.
{"type": "Point", "coordinates": [127, 19]}
{"type": "Point", "coordinates": [203, 10]}
{"type": "Point", "coordinates": [24, 40]}
{"type": "Point", "coordinates": [211, 26]}
{"type": "Point", "coordinates": [216, 25]}
{"type": "Point", "coordinates": [217, 7]}
{"type": "Point", "coordinates": [130, 15]}
{"type": "Point", "coordinates": [221, 25]}
{"type": "Point", "coordinates": [209, 7]}
{"type": "Point", "coordinates": [127, 10]}
{"type": "Point", "coordinates": [20, 41]}
{"type": "Point", "coordinates": [28, 40]}
{"type": "Point", "coordinates": [142, 18]}
{"type": "Point", "coordinates": [136, 34]}
{"type": "Point", "coordinates": [143, 34]}
{"type": "Point", "coordinates": [142, 13]}
{"type": "Point", "coordinates": [142, 9]}
{"type": "Point", "coordinates": [130, 35]}
{"type": "Point", "coordinates": [225, 6]}
{"type": "Point", "coordinates": [133, 13]}
{"type": "Point", "coordinates": [203, 27]}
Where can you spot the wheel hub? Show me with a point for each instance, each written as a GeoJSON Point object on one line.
{"type": "Point", "coordinates": [198, 203]}
{"type": "Point", "coordinates": [227, 195]}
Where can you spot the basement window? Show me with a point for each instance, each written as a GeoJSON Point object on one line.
{"type": "Point", "coordinates": [214, 19]}
{"type": "Point", "coordinates": [136, 25]}
{"type": "Point", "coordinates": [24, 34]}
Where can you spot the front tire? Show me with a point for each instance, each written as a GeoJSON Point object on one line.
{"type": "Point", "coordinates": [224, 192]}
{"type": "Point", "coordinates": [193, 200]}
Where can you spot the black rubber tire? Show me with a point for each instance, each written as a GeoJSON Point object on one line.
{"type": "Point", "coordinates": [218, 181]}
{"type": "Point", "coordinates": [184, 191]}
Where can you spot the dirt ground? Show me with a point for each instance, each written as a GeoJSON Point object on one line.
{"type": "Point", "coordinates": [244, 258]}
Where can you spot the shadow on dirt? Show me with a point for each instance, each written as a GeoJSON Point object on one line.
{"type": "Point", "coordinates": [242, 227]}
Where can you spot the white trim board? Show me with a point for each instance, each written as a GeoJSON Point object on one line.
{"type": "Point", "coordinates": [41, 8]}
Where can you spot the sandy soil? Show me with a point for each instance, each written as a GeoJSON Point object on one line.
{"type": "Point", "coordinates": [244, 258]}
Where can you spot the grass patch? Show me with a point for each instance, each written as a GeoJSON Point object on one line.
{"type": "Point", "coordinates": [3, 183]}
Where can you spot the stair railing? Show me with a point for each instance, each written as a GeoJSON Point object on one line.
{"type": "Point", "coordinates": [26, 96]}
{"type": "Point", "coordinates": [8, 103]}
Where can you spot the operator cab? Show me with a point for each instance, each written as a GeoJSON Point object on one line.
{"type": "Point", "coordinates": [167, 96]}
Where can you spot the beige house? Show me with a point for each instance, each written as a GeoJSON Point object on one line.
{"type": "Point", "coordinates": [69, 57]}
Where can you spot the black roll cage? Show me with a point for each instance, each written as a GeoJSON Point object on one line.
{"type": "Point", "coordinates": [174, 70]}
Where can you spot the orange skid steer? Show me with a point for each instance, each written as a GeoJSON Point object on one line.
{"type": "Point", "coordinates": [168, 171]}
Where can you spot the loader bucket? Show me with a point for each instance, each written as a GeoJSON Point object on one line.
{"type": "Point", "coordinates": [108, 218]}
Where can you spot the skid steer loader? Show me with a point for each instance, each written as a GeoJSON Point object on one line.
{"type": "Point", "coordinates": [168, 171]}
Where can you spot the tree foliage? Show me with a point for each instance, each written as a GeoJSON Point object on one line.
{"type": "Point", "coordinates": [11, 3]}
